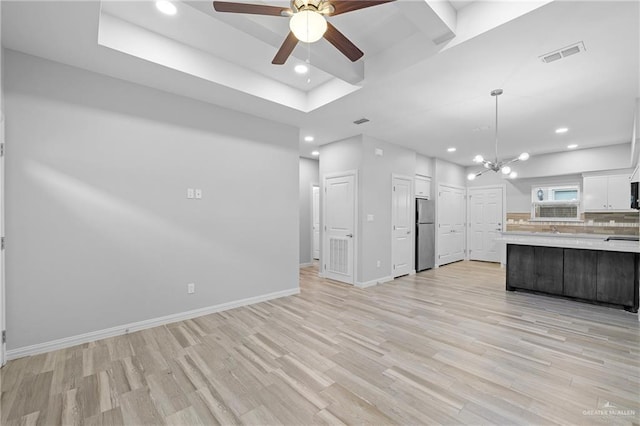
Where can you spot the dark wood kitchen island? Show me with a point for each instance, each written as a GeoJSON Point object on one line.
{"type": "Point", "coordinates": [590, 268]}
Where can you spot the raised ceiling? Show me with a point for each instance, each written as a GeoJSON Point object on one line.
{"type": "Point", "coordinates": [424, 81]}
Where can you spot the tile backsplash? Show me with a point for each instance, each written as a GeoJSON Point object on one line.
{"type": "Point", "coordinates": [615, 223]}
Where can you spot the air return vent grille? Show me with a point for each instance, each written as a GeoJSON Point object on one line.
{"type": "Point", "coordinates": [563, 53]}
{"type": "Point", "coordinates": [338, 255]}
{"type": "Point", "coordinates": [361, 121]}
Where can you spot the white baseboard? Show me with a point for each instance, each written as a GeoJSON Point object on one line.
{"type": "Point", "coordinates": [373, 282]}
{"type": "Point", "coordinates": [305, 265]}
{"type": "Point", "coordinates": [92, 336]}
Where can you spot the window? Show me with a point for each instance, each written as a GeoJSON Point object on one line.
{"type": "Point", "coordinates": [555, 203]}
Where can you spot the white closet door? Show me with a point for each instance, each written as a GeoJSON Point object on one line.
{"type": "Point", "coordinates": [339, 220]}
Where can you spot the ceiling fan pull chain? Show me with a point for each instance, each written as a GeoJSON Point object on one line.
{"type": "Point", "coordinates": [309, 62]}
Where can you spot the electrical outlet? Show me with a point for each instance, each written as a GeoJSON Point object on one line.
{"type": "Point", "coordinates": [198, 193]}
{"type": "Point", "coordinates": [378, 263]}
{"type": "Point", "coordinates": [191, 288]}
{"type": "Point", "coordinates": [190, 193]}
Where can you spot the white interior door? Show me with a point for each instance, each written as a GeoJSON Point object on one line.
{"type": "Point", "coordinates": [339, 227]}
{"type": "Point", "coordinates": [485, 223]}
{"type": "Point", "coordinates": [316, 222]}
{"type": "Point", "coordinates": [402, 226]}
{"type": "Point", "coordinates": [451, 224]}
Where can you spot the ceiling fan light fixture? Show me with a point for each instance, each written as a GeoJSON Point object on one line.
{"type": "Point", "coordinates": [301, 69]}
{"type": "Point", "coordinates": [308, 26]}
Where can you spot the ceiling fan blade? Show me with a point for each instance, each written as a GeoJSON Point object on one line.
{"type": "Point", "coordinates": [342, 43]}
{"type": "Point", "coordinates": [255, 9]}
{"type": "Point", "coordinates": [285, 50]}
{"type": "Point", "coordinates": [344, 6]}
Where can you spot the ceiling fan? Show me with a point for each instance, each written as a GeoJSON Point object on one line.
{"type": "Point", "coordinates": [307, 23]}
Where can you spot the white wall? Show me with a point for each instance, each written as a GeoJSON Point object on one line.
{"type": "Point", "coordinates": [424, 165]}
{"type": "Point", "coordinates": [375, 197]}
{"type": "Point", "coordinates": [101, 231]}
{"type": "Point", "coordinates": [309, 170]}
{"type": "Point", "coordinates": [337, 157]}
{"type": "Point", "coordinates": [552, 169]}
{"type": "Point", "coordinates": [447, 173]}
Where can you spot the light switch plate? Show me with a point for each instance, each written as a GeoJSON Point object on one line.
{"type": "Point", "coordinates": [190, 193]}
{"type": "Point", "coordinates": [369, 218]}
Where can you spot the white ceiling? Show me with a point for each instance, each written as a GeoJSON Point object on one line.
{"type": "Point", "coordinates": [418, 91]}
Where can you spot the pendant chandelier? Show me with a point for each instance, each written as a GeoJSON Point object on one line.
{"type": "Point", "coordinates": [497, 165]}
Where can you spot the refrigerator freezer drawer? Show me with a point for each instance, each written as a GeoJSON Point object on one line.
{"type": "Point", "coordinates": [425, 246]}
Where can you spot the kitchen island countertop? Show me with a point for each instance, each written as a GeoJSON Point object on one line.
{"type": "Point", "coordinates": [578, 241]}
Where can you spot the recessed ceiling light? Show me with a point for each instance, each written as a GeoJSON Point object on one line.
{"type": "Point", "coordinates": [166, 7]}
{"type": "Point", "coordinates": [452, 149]}
{"type": "Point", "coordinates": [315, 153]}
{"type": "Point", "coordinates": [562, 130]}
{"type": "Point", "coordinates": [308, 138]}
{"type": "Point", "coordinates": [301, 69]}
{"type": "Point", "coordinates": [572, 146]}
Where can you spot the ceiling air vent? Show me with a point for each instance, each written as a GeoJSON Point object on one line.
{"type": "Point", "coordinates": [361, 121]}
{"type": "Point", "coordinates": [563, 53]}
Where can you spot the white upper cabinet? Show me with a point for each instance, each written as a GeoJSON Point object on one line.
{"type": "Point", "coordinates": [423, 186]}
{"type": "Point", "coordinates": [606, 193]}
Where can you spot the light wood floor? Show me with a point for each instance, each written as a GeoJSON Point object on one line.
{"type": "Point", "coordinates": [446, 346]}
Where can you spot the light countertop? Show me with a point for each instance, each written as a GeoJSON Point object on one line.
{"type": "Point", "coordinates": [579, 241]}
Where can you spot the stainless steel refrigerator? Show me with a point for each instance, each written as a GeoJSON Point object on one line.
{"type": "Point", "coordinates": [425, 234]}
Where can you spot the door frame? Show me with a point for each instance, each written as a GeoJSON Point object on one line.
{"type": "Point", "coordinates": [313, 185]}
{"type": "Point", "coordinates": [503, 187]}
{"type": "Point", "coordinates": [356, 220]}
{"type": "Point", "coordinates": [437, 200]}
{"type": "Point", "coordinates": [3, 345]}
{"type": "Point", "coordinates": [412, 220]}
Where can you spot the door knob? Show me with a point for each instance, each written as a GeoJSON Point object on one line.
{"type": "Point", "coordinates": [349, 235]}
{"type": "Point", "coordinates": [408, 232]}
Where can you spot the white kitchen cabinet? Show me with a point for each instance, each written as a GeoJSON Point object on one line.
{"type": "Point", "coordinates": [423, 186]}
{"type": "Point", "coordinates": [606, 193]}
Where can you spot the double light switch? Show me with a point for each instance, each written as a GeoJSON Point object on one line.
{"type": "Point", "coordinates": [194, 193]}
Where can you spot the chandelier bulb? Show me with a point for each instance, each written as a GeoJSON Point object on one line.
{"type": "Point", "coordinates": [506, 170]}
{"type": "Point", "coordinates": [478, 159]}
{"type": "Point", "coordinates": [524, 156]}
{"type": "Point", "coordinates": [471, 176]}
{"type": "Point", "coordinates": [513, 175]}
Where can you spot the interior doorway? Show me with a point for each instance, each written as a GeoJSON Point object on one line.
{"type": "Point", "coordinates": [402, 207]}
{"type": "Point", "coordinates": [486, 222]}
{"type": "Point", "coordinates": [451, 224]}
{"type": "Point", "coordinates": [315, 222]}
{"type": "Point", "coordinates": [338, 243]}
{"type": "Point", "coordinates": [3, 344]}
